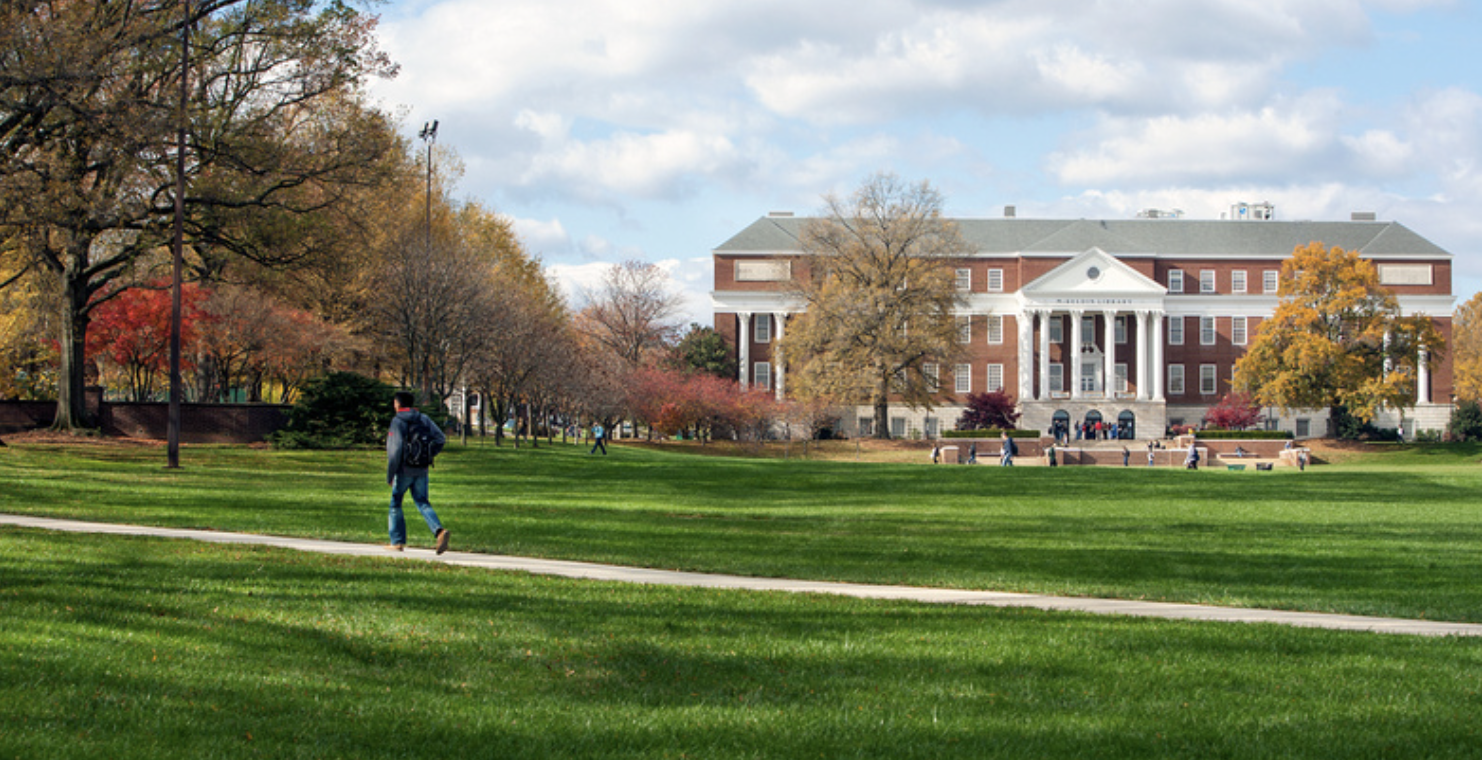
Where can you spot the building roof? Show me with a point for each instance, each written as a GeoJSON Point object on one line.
{"type": "Point", "coordinates": [1146, 237]}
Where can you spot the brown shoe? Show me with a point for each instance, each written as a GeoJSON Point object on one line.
{"type": "Point", "coordinates": [442, 540]}
{"type": "Point", "coordinates": [395, 547]}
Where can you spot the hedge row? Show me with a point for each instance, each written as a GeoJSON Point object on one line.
{"type": "Point", "coordinates": [1247, 435]}
{"type": "Point", "coordinates": [990, 433]}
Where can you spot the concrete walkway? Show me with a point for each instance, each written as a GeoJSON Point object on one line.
{"type": "Point", "coordinates": [591, 571]}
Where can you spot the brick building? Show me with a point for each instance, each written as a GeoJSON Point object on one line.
{"type": "Point", "coordinates": [1160, 308]}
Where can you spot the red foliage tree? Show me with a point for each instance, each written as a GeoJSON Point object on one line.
{"type": "Point", "coordinates": [1236, 411]}
{"type": "Point", "coordinates": [989, 411]}
{"type": "Point", "coordinates": [131, 332]}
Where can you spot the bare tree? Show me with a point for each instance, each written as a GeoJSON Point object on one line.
{"type": "Point", "coordinates": [633, 311]}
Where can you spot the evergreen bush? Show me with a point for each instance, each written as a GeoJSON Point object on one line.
{"type": "Point", "coordinates": [337, 411]}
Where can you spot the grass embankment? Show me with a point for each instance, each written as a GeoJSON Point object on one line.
{"type": "Point", "coordinates": [1397, 535]}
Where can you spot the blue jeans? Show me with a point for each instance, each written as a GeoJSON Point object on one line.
{"type": "Point", "coordinates": [417, 484]}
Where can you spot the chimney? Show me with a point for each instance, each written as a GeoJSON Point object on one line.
{"type": "Point", "coordinates": [775, 214]}
{"type": "Point", "coordinates": [1364, 216]}
{"type": "Point", "coordinates": [1009, 212]}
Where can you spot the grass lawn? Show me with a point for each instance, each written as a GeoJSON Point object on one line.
{"type": "Point", "coordinates": [115, 647]}
{"type": "Point", "coordinates": [1397, 534]}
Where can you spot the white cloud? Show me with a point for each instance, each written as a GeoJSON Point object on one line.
{"type": "Point", "coordinates": [543, 237]}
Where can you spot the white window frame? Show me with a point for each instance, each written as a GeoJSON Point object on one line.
{"type": "Point", "coordinates": [1120, 368]}
{"type": "Point", "coordinates": [1209, 379]}
{"type": "Point", "coordinates": [897, 427]}
{"type": "Point", "coordinates": [962, 378]}
{"type": "Point", "coordinates": [1175, 379]}
{"type": "Point", "coordinates": [1121, 331]}
{"type": "Point", "coordinates": [933, 374]}
{"type": "Point", "coordinates": [1057, 329]}
{"type": "Point", "coordinates": [761, 375]}
{"type": "Point", "coordinates": [1208, 331]}
{"type": "Point", "coordinates": [995, 329]}
{"type": "Point", "coordinates": [1175, 330]}
{"type": "Point", "coordinates": [1237, 281]}
{"type": "Point", "coordinates": [1057, 377]}
{"type": "Point", "coordinates": [995, 281]}
{"type": "Point", "coordinates": [964, 280]}
{"type": "Point", "coordinates": [964, 330]}
{"type": "Point", "coordinates": [1088, 330]}
{"type": "Point", "coordinates": [1238, 330]}
{"type": "Point", "coordinates": [1175, 281]}
{"type": "Point", "coordinates": [761, 328]}
{"type": "Point", "coordinates": [1207, 281]}
{"type": "Point", "coordinates": [995, 370]}
{"type": "Point", "coordinates": [1270, 281]}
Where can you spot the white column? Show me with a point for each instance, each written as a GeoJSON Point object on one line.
{"type": "Point", "coordinates": [1423, 378]}
{"type": "Point", "coordinates": [1159, 371]}
{"type": "Point", "coordinates": [1144, 384]}
{"type": "Point", "coordinates": [778, 371]}
{"type": "Point", "coordinates": [1025, 319]}
{"type": "Point", "coordinates": [743, 345]}
{"type": "Point", "coordinates": [1044, 354]}
{"type": "Point", "coordinates": [1109, 356]}
{"type": "Point", "coordinates": [1073, 368]}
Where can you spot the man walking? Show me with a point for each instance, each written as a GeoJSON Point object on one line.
{"type": "Point", "coordinates": [601, 436]}
{"type": "Point", "coordinates": [411, 443]}
{"type": "Point", "coordinates": [1009, 450]}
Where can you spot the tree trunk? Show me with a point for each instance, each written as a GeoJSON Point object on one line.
{"type": "Point", "coordinates": [882, 408]}
{"type": "Point", "coordinates": [72, 411]}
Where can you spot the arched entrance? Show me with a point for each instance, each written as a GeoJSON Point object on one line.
{"type": "Point", "coordinates": [1127, 424]}
{"type": "Point", "coordinates": [1060, 425]}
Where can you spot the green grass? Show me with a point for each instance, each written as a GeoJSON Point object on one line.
{"type": "Point", "coordinates": [148, 648]}
{"type": "Point", "coordinates": [1397, 534]}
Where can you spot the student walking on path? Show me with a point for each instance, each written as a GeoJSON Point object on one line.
{"type": "Point", "coordinates": [601, 436]}
{"type": "Point", "coordinates": [1009, 450]}
{"type": "Point", "coordinates": [411, 443]}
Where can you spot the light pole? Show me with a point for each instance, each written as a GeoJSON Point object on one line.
{"type": "Point", "coordinates": [172, 432]}
{"type": "Point", "coordinates": [429, 136]}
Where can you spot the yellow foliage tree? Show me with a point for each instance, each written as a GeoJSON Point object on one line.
{"type": "Point", "coordinates": [881, 301]}
{"type": "Point", "coordinates": [1466, 341]}
{"type": "Point", "coordinates": [1336, 341]}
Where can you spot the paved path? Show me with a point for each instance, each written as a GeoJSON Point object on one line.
{"type": "Point", "coordinates": [593, 571]}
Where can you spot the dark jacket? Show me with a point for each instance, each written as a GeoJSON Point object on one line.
{"type": "Point", "coordinates": [394, 438]}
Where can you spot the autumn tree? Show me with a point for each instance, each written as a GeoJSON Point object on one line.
{"type": "Point", "coordinates": [131, 334]}
{"type": "Point", "coordinates": [1466, 341]}
{"type": "Point", "coordinates": [1238, 410]}
{"type": "Point", "coordinates": [994, 410]}
{"type": "Point", "coordinates": [702, 349]}
{"type": "Point", "coordinates": [89, 111]}
{"type": "Point", "coordinates": [879, 296]}
{"type": "Point", "coordinates": [1336, 341]}
{"type": "Point", "coordinates": [632, 311]}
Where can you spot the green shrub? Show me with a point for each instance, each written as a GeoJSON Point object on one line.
{"type": "Point", "coordinates": [340, 410]}
{"type": "Point", "coordinates": [990, 433]}
{"type": "Point", "coordinates": [1466, 421]}
{"type": "Point", "coordinates": [1246, 435]}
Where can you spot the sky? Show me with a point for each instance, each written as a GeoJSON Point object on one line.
{"type": "Point", "coordinates": [615, 130]}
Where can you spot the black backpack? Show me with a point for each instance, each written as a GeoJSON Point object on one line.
{"type": "Point", "coordinates": [418, 446]}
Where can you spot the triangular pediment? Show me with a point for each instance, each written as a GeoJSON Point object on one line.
{"type": "Point", "coordinates": [1092, 274]}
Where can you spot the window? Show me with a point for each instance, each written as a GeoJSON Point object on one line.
{"type": "Point", "coordinates": [1304, 427]}
{"type": "Point", "coordinates": [1175, 331]}
{"type": "Point", "coordinates": [963, 377]}
{"type": "Point", "coordinates": [1175, 379]}
{"type": "Point", "coordinates": [762, 328]}
{"type": "Point", "coordinates": [1208, 379]}
{"type": "Point", "coordinates": [1175, 281]}
{"type": "Point", "coordinates": [995, 329]}
{"type": "Point", "coordinates": [761, 375]}
{"type": "Point", "coordinates": [932, 373]}
{"type": "Point", "coordinates": [933, 427]}
{"type": "Point", "coordinates": [1237, 281]}
{"type": "Point", "coordinates": [964, 329]}
{"type": "Point", "coordinates": [1121, 330]}
{"type": "Point", "coordinates": [1057, 330]}
{"type": "Point", "coordinates": [1206, 281]}
{"type": "Point", "coordinates": [1088, 331]}
{"type": "Point", "coordinates": [964, 280]}
{"type": "Point", "coordinates": [1121, 370]}
{"type": "Point", "coordinates": [1237, 330]}
{"type": "Point", "coordinates": [1057, 378]}
{"type": "Point", "coordinates": [1206, 331]}
{"type": "Point", "coordinates": [995, 280]}
{"type": "Point", "coordinates": [1269, 280]}
{"type": "Point", "coordinates": [995, 377]}
{"type": "Point", "coordinates": [866, 427]}
{"type": "Point", "coordinates": [897, 427]}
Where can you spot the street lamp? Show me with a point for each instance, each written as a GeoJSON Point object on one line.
{"type": "Point", "coordinates": [429, 136]}
{"type": "Point", "coordinates": [172, 428]}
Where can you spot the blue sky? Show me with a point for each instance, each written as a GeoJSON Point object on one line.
{"type": "Point", "coordinates": [611, 130]}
